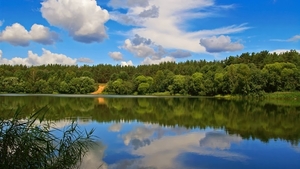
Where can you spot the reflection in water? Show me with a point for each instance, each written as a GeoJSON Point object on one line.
{"type": "Point", "coordinates": [140, 134]}
{"type": "Point", "coordinates": [170, 133]}
{"type": "Point", "coordinates": [164, 152]}
{"type": "Point", "coordinates": [116, 127]}
{"type": "Point", "coordinates": [93, 159]}
{"type": "Point", "coordinates": [218, 140]}
{"type": "Point", "coordinates": [249, 119]}
{"type": "Point", "coordinates": [296, 148]}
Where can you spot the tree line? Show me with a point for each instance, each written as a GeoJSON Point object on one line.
{"type": "Point", "coordinates": [246, 74]}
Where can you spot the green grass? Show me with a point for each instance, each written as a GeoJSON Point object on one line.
{"type": "Point", "coordinates": [283, 95]}
{"type": "Point", "coordinates": [161, 94]}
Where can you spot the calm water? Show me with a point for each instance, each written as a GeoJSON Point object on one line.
{"type": "Point", "coordinates": [171, 133]}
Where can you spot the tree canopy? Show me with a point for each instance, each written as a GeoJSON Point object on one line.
{"type": "Point", "coordinates": [247, 74]}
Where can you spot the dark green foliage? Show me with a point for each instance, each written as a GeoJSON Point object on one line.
{"type": "Point", "coordinates": [31, 143]}
{"type": "Point", "coordinates": [267, 119]}
{"type": "Point", "coordinates": [247, 74]}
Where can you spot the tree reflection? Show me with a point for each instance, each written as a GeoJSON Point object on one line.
{"type": "Point", "coordinates": [249, 119]}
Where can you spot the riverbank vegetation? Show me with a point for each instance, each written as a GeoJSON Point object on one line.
{"type": "Point", "coordinates": [248, 74]}
{"type": "Point", "coordinates": [32, 143]}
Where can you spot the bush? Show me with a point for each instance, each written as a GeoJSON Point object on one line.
{"type": "Point", "coordinates": [31, 143]}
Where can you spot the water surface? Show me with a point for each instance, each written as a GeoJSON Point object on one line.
{"type": "Point", "coordinates": [171, 133]}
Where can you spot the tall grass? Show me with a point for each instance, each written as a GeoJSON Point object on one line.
{"type": "Point", "coordinates": [31, 143]}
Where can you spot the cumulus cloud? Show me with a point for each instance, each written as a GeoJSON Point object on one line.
{"type": "Point", "coordinates": [17, 35]}
{"type": "Point", "coordinates": [116, 55]}
{"type": "Point", "coordinates": [153, 12]}
{"type": "Point", "coordinates": [83, 19]}
{"type": "Point", "coordinates": [85, 60]}
{"type": "Point", "coordinates": [220, 44]}
{"type": "Point", "coordinates": [143, 47]}
{"type": "Point", "coordinates": [180, 54]}
{"type": "Point", "coordinates": [128, 63]}
{"type": "Point", "coordinates": [124, 18]}
{"type": "Point", "coordinates": [47, 57]}
{"type": "Point", "coordinates": [128, 3]}
{"type": "Point", "coordinates": [142, 50]}
{"type": "Point", "coordinates": [149, 61]}
{"type": "Point", "coordinates": [133, 17]}
{"type": "Point", "coordinates": [137, 40]}
{"type": "Point", "coordinates": [166, 28]}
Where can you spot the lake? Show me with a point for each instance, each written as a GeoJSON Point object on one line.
{"type": "Point", "coordinates": [176, 133]}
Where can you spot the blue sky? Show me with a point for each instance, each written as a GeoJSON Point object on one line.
{"type": "Point", "coordinates": [135, 32]}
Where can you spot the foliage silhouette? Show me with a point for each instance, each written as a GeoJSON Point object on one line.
{"type": "Point", "coordinates": [31, 143]}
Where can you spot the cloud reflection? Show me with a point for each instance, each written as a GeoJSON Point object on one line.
{"type": "Point", "coordinates": [219, 140]}
{"type": "Point", "coordinates": [116, 127]}
{"type": "Point", "coordinates": [93, 159]}
{"type": "Point", "coordinates": [160, 149]}
{"type": "Point", "coordinates": [296, 148]}
{"type": "Point", "coordinates": [139, 133]}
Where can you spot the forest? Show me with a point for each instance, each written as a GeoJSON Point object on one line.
{"type": "Point", "coordinates": [246, 74]}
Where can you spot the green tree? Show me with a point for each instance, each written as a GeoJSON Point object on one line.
{"type": "Point", "coordinates": [143, 88]}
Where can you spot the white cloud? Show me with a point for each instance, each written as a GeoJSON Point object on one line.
{"type": "Point", "coordinates": [116, 55]}
{"type": "Point", "coordinates": [128, 3]}
{"type": "Point", "coordinates": [149, 61]}
{"type": "Point", "coordinates": [17, 35]}
{"type": "Point", "coordinates": [152, 12]}
{"type": "Point", "coordinates": [220, 44]}
{"type": "Point", "coordinates": [142, 50]}
{"type": "Point", "coordinates": [137, 40]}
{"type": "Point", "coordinates": [143, 47]}
{"type": "Point", "coordinates": [46, 58]}
{"type": "Point", "coordinates": [279, 51]}
{"type": "Point", "coordinates": [166, 29]}
{"type": "Point", "coordinates": [295, 38]}
{"type": "Point", "coordinates": [85, 60]}
{"type": "Point", "coordinates": [180, 54]}
{"type": "Point", "coordinates": [1, 23]}
{"type": "Point", "coordinates": [128, 63]}
{"type": "Point", "coordinates": [124, 19]}
{"type": "Point", "coordinates": [83, 19]}
{"type": "Point", "coordinates": [0, 54]}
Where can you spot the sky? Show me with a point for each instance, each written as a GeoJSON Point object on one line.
{"type": "Point", "coordinates": [137, 32]}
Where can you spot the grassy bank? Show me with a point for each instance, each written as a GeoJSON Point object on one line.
{"type": "Point", "coordinates": [283, 95]}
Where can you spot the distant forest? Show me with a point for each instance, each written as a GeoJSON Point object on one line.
{"type": "Point", "coordinates": [247, 74]}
